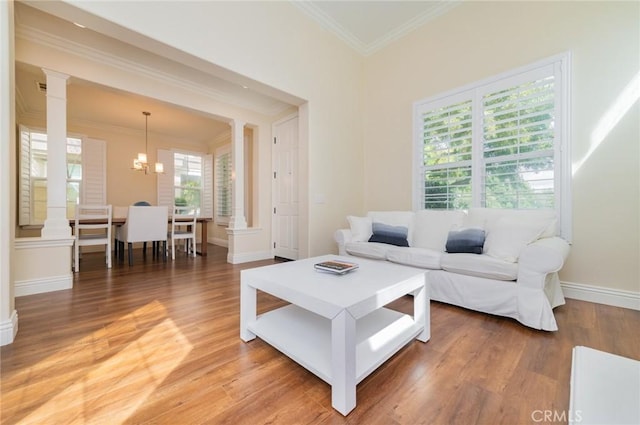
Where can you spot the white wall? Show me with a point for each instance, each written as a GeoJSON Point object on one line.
{"type": "Point", "coordinates": [124, 145]}
{"type": "Point", "coordinates": [480, 39]}
{"type": "Point", "coordinates": [8, 317]}
{"type": "Point", "coordinates": [351, 117]}
{"type": "Point", "coordinates": [275, 44]}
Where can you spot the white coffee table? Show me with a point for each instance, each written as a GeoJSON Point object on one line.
{"type": "Point", "coordinates": [336, 326]}
{"type": "Point", "coordinates": [605, 388]}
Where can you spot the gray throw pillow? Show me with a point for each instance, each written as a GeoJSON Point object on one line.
{"type": "Point", "coordinates": [467, 241]}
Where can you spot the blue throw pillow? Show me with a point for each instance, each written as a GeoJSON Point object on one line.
{"type": "Point", "coordinates": [467, 241]}
{"type": "Point", "coordinates": [392, 235]}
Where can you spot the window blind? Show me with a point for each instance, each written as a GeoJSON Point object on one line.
{"type": "Point", "coordinates": [223, 185]}
{"type": "Point", "coordinates": [207, 195]}
{"type": "Point", "coordinates": [94, 172]}
{"type": "Point", "coordinates": [86, 174]}
{"type": "Point", "coordinates": [499, 143]}
{"type": "Point", "coordinates": [518, 145]}
{"type": "Point", "coordinates": [165, 179]}
{"type": "Point", "coordinates": [24, 193]}
{"type": "Point", "coordinates": [447, 154]}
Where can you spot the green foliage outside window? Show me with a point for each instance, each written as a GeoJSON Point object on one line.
{"type": "Point", "coordinates": [517, 150]}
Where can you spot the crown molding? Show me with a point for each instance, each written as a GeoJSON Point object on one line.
{"type": "Point", "coordinates": [415, 23]}
{"type": "Point", "coordinates": [330, 24]}
{"type": "Point", "coordinates": [36, 35]}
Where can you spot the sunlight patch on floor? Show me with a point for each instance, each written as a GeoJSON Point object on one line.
{"type": "Point", "coordinates": [111, 390]}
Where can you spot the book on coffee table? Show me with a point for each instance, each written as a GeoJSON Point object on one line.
{"type": "Point", "coordinates": [334, 266]}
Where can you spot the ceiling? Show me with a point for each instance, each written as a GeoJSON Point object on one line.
{"type": "Point", "coordinates": [94, 106]}
{"type": "Point", "coordinates": [366, 26]}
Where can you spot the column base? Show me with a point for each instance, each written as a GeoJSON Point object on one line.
{"type": "Point", "coordinates": [237, 222]}
{"type": "Point", "coordinates": [56, 228]}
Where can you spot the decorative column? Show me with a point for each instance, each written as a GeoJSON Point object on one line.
{"type": "Point", "coordinates": [8, 313]}
{"type": "Point", "coordinates": [56, 224]}
{"type": "Point", "coordinates": [238, 220]}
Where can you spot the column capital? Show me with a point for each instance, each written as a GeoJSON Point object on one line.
{"type": "Point", "coordinates": [55, 74]}
{"type": "Point", "coordinates": [234, 123]}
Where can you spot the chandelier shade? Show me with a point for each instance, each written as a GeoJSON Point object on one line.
{"type": "Point", "coordinates": [141, 163]}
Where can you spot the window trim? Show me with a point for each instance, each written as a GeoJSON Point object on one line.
{"type": "Point", "coordinates": [562, 153]}
{"type": "Point", "coordinates": [201, 188]}
{"type": "Point", "coordinates": [166, 186]}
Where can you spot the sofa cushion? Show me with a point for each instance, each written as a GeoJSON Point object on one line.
{"type": "Point", "coordinates": [480, 266]}
{"type": "Point", "coordinates": [508, 236]}
{"type": "Point", "coordinates": [376, 251]}
{"type": "Point", "coordinates": [469, 241]}
{"type": "Point", "coordinates": [431, 227]}
{"type": "Point", "coordinates": [416, 257]}
{"type": "Point", "coordinates": [395, 218]}
{"type": "Point", "coordinates": [392, 235]}
{"type": "Point", "coordinates": [509, 231]}
{"type": "Point", "coordinates": [361, 228]}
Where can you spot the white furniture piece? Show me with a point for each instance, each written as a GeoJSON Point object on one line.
{"type": "Point", "coordinates": [515, 276]}
{"type": "Point", "coordinates": [143, 224]}
{"type": "Point", "coordinates": [605, 388]}
{"type": "Point", "coordinates": [336, 326]}
{"type": "Point", "coordinates": [92, 233]}
{"type": "Point", "coordinates": [183, 227]}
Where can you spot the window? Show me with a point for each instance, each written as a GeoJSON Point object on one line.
{"type": "Point", "coordinates": [187, 180]}
{"type": "Point", "coordinates": [84, 184]}
{"type": "Point", "coordinates": [223, 185]}
{"type": "Point", "coordinates": [500, 143]}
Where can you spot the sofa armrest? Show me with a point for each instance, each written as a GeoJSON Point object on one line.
{"type": "Point", "coordinates": [540, 258]}
{"type": "Point", "coordinates": [342, 237]}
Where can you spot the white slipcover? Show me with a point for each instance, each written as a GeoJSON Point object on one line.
{"type": "Point", "coordinates": [519, 281]}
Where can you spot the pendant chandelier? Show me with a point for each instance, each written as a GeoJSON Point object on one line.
{"type": "Point", "coordinates": [140, 163]}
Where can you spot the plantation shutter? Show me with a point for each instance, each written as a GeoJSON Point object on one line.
{"type": "Point", "coordinates": [165, 180]}
{"type": "Point", "coordinates": [207, 187]}
{"type": "Point", "coordinates": [223, 185]}
{"type": "Point", "coordinates": [447, 145]}
{"type": "Point", "coordinates": [94, 172]}
{"type": "Point", "coordinates": [24, 191]}
{"type": "Point", "coordinates": [518, 129]}
{"type": "Point", "coordinates": [506, 140]}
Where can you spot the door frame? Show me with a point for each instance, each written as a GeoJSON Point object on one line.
{"type": "Point", "coordinates": [273, 188]}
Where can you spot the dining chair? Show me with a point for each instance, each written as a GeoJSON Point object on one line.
{"type": "Point", "coordinates": [92, 227]}
{"type": "Point", "coordinates": [145, 204]}
{"type": "Point", "coordinates": [183, 227]}
{"type": "Point", "coordinates": [143, 224]}
{"type": "Point", "coordinates": [122, 211]}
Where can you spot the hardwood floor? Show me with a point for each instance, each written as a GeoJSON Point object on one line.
{"type": "Point", "coordinates": [158, 343]}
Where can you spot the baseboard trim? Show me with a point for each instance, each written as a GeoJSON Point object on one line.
{"type": "Point", "coordinates": [220, 242]}
{"type": "Point", "coordinates": [42, 285]}
{"type": "Point", "coordinates": [600, 295]}
{"type": "Point", "coordinates": [247, 257]}
{"type": "Point", "coordinates": [9, 329]}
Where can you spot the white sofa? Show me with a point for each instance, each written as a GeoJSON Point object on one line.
{"type": "Point", "coordinates": [515, 276]}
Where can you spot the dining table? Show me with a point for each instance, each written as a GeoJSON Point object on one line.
{"type": "Point", "coordinates": [119, 221]}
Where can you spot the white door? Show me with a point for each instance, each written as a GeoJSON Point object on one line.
{"type": "Point", "coordinates": [285, 188]}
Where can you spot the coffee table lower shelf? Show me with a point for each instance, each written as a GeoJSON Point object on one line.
{"type": "Point", "coordinates": [305, 337]}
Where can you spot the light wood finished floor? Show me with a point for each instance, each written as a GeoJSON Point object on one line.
{"type": "Point", "coordinates": [158, 343]}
